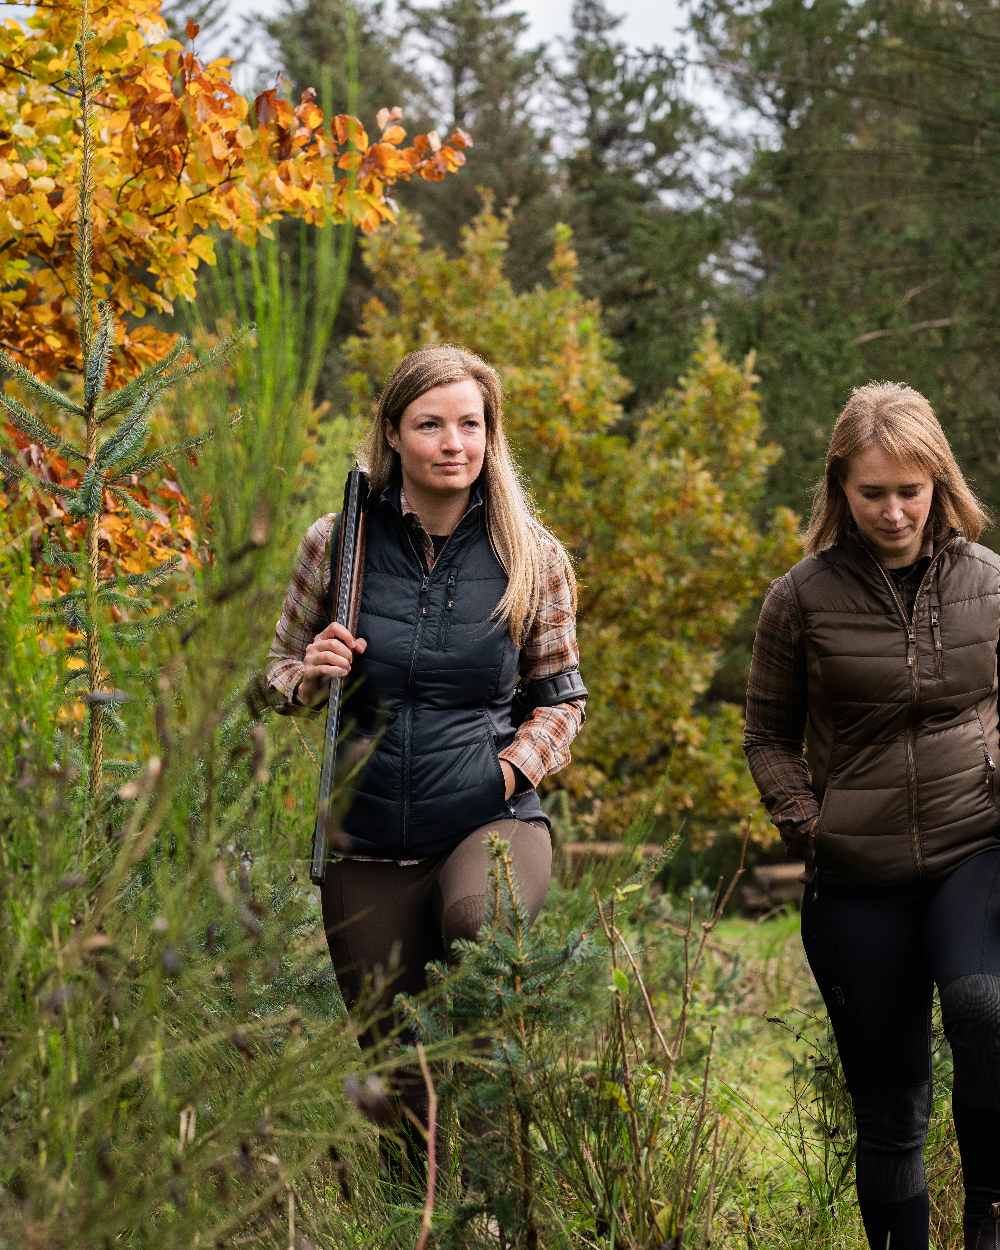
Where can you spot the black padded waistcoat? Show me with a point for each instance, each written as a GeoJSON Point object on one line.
{"type": "Point", "coordinates": [435, 690]}
{"type": "Point", "coordinates": [902, 736]}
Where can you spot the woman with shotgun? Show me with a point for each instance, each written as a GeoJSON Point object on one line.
{"type": "Point", "coordinates": [878, 652]}
{"type": "Point", "coordinates": [464, 671]}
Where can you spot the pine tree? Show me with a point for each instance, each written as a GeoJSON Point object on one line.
{"type": "Point", "coordinates": [316, 41]}
{"type": "Point", "coordinates": [108, 463]}
{"type": "Point", "coordinates": [486, 81]}
{"type": "Point", "coordinates": [861, 240]}
{"type": "Point", "coordinates": [641, 227]}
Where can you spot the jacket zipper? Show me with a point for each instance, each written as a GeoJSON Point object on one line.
{"type": "Point", "coordinates": [938, 645]}
{"type": "Point", "coordinates": [425, 581]}
{"type": "Point", "coordinates": [448, 608]}
{"type": "Point", "coordinates": [408, 710]}
{"type": "Point", "coordinates": [911, 661]}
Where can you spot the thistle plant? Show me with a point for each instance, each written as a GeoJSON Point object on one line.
{"type": "Point", "coordinates": [113, 455]}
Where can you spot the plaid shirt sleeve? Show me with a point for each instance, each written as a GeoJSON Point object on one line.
{"type": "Point", "coordinates": [304, 613]}
{"type": "Point", "coordinates": [777, 710]}
{"type": "Point", "coordinates": [541, 744]}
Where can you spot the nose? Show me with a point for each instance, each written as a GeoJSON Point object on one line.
{"type": "Point", "coordinates": [450, 439]}
{"type": "Point", "coordinates": [893, 512]}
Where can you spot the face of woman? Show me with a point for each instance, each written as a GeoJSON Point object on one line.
{"type": "Point", "coordinates": [441, 439]}
{"type": "Point", "coordinates": [890, 502]}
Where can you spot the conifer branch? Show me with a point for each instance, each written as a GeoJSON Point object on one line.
{"type": "Point", "coordinates": [11, 468]}
{"type": "Point", "coordinates": [41, 390]}
{"type": "Point", "coordinates": [29, 425]}
{"type": "Point", "coordinates": [125, 397]}
{"type": "Point", "coordinates": [96, 368]}
{"type": "Point", "coordinates": [83, 267]}
{"type": "Point", "coordinates": [215, 356]}
{"type": "Point", "coordinates": [145, 464]}
{"type": "Point", "coordinates": [137, 511]}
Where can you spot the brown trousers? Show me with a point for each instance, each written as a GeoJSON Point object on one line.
{"type": "Point", "coordinates": [384, 922]}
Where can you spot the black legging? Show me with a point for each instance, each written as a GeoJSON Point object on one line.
{"type": "Point", "coordinates": [877, 955]}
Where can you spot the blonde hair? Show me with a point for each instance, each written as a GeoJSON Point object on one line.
{"type": "Point", "coordinates": [515, 533]}
{"type": "Point", "coordinates": [901, 422]}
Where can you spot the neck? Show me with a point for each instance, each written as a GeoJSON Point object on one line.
{"type": "Point", "coordinates": [439, 514]}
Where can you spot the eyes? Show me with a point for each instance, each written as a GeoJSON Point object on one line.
{"type": "Point", "coordinates": [905, 492]}
{"type": "Point", "coordinates": [470, 424]}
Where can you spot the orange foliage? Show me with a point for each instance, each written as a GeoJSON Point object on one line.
{"type": "Point", "coordinates": [179, 152]}
{"type": "Point", "coordinates": [125, 546]}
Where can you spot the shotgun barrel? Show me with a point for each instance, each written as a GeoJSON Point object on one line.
{"type": "Point", "coordinates": [345, 599]}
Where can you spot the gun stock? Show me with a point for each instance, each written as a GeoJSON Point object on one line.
{"type": "Point", "coordinates": [348, 572]}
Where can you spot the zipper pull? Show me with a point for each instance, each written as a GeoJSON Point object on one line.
{"type": "Point", "coordinates": [990, 769]}
{"type": "Point", "coordinates": [423, 591]}
{"type": "Point", "coordinates": [936, 628]}
{"type": "Point", "coordinates": [451, 590]}
{"type": "Point", "coordinates": [911, 645]}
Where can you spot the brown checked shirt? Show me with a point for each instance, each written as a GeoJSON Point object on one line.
{"type": "Point", "coordinates": [542, 742]}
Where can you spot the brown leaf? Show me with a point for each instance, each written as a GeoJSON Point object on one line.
{"type": "Point", "coordinates": [266, 107]}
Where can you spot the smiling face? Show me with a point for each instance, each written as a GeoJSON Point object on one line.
{"type": "Point", "coordinates": [441, 440]}
{"type": "Point", "coordinates": [890, 502]}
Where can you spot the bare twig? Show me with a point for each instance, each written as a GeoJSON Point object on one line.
{"type": "Point", "coordinates": [432, 1107]}
{"type": "Point", "coordinates": [653, 1022]}
{"type": "Point", "coordinates": [309, 751]}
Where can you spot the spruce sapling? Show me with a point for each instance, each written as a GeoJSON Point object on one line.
{"type": "Point", "coordinates": [110, 467]}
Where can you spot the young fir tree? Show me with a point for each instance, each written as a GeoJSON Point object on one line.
{"type": "Point", "coordinates": [509, 988]}
{"type": "Point", "coordinates": [111, 455]}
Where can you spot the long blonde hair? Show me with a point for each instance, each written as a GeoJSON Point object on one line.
{"type": "Point", "coordinates": [515, 533]}
{"type": "Point", "coordinates": [901, 422]}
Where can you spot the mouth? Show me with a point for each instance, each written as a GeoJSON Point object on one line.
{"type": "Point", "coordinates": [451, 464]}
{"type": "Point", "coordinates": [895, 533]}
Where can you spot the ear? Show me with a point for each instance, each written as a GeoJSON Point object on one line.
{"type": "Point", "coordinates": [392, 437]}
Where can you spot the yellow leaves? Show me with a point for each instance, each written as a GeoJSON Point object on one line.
{"type": "Point", "coordinates": [348, 129]}
{"type": "Point", "coordinates": [179, 152]}
{"type": "Point", "coordinates": [384, 117]}
{"type": "Point", "coordinates": [203, 247]}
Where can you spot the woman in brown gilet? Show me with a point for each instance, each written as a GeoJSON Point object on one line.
{"type": "Point", "coordinates": [878, 654]}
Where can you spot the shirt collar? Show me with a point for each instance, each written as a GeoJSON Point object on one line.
{"type": "Point", "coordinates": [395, 496]}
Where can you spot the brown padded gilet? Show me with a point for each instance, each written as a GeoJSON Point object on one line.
{"type": "Point", "coordinates": [902, 737]}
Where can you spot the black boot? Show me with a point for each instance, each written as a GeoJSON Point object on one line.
{"type": "Point", "coordinates": [983, 1232]}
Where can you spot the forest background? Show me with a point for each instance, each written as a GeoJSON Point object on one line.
{"type": "Point", "coordinates": [679, 304]}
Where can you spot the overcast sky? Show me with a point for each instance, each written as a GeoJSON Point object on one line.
{"type": "Point", "coordinates": [647, 22]}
